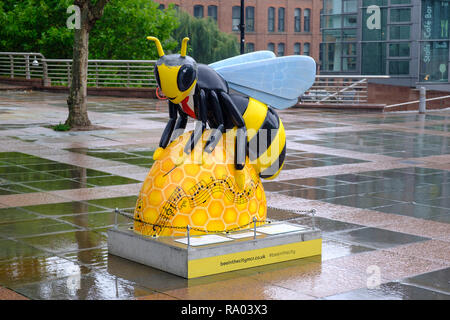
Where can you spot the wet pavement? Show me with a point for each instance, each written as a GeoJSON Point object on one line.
{"type": "Point", "coordinates": [380, 185]}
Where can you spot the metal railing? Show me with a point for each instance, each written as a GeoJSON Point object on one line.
{"type": "Point", "coordinates": [153, 229]}
{"type": "Point", "coordinates": [339, 89]}
{"type": "Point", "coordinates": [57, 72]}
{"type": "Point", "coordinates": [105, 73]}
{"type": "Point", "coordinates": [139, 73]}
{"type": "Point", "coordinates": [22, 65]}
{"type": "Point", "coordinates": [422, 99]}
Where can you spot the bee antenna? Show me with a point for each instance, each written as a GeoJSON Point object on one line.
{"type": "Point", "coordinates": [158, 45]}
{"type": "Point", "coordinates": [184, 47]}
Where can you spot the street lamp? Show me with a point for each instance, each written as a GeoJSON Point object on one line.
{"type": "Point", "coordinates": [242, 28]}
{"type": "Point", "coordinates": [35, 62]}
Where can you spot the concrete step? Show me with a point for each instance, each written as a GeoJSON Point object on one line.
{"type": "Point", "coordinates": [13, 88]}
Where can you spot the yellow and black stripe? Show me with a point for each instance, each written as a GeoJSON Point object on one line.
{"type": "Point", "coordinates": [266, 139]}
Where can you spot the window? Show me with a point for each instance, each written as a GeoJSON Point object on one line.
{"type": "Point", "coordinates": [280, 19]}
{"type": "Point", "coordinates": [212, 12]}
{"type": "Point", "coordinates": [271, 47]}
{"type": "Point", "coordinates": [306, 48]}
{"type": "Point", "coordinates": [399, 67]}
{"type": "Point", "coordinates": [379, 3]}
{"type": "Point", "coordinates": [435, 19]}
{"type": "Point", "coordinates": [349, 49]}
{"type": "Point", "coordinates": [280, 51]}
{"type": "Point", "coordinates": [249, 47]}
{"type": "Point", "coordinates": [400, 15]}
{"type": "Point", "coordinates": [348, 64]}
{"type": "Point", "coordinates": [271, 19]}
{"type": "Point", "coordinates": [330, 56]}
{"type": "Point", "coordinates": [331, 7]}
{"type": "Point", "coordinates": [399, 49]}
{"type": "Point", "coordinates": [161, 6]}
{"type": "Point", "coordinates": [321, 19]}
{"type": "Point", "coordinates": [250, 19]}
{"type": "Point", "coordinates": [236, 18]}
{"type": "Point", "coordinates": [297, 48]}
{"type": "Point", "coordinates": [321, 46]}
{"type": "Point", "coordinates": [350, 6]}
{"type": "Point", "coordinates": [349, 20]}
{"type": "Point", "coordinates": [306, 20]}
{"type": "Point", "coordinates": [374, 58]}
{"type": "Point", "coordinates": [198, 11]}
{"type": "Point", "coordinates": [349, 34]}
{"type": "Point", "coordinates": [399, 32]}
{"type": "Point", "coordinates": [434, 61]}
{"type": "Point", "coordinates": [297, 20]}
{"type": "Point", "coordinates": [400, 1]}
{"type": "Point", "coordinates": [332, 22]}
{"type": "Point", "coordinates": [434, 50]}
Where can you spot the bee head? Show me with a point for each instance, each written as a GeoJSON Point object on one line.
{"type": "Point", "coordinates": [176, 74]}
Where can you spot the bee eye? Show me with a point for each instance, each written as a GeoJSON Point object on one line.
{"type": "Point", "coordinates": [186, 77]}
{"type": "Point", "coordinates": [155, 71]}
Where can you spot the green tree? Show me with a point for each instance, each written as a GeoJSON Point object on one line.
{"type": "Point", "coordinates": [122, 31]}
{"type": "Point", "coordinates": [207, 43]}
{"type": "Point", "coordinates": [40, 26]}
{"type": "Point", "coordinates": [36, 26]}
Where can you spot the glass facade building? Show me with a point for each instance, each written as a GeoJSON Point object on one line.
{"type": "Point", "coordinates": [405, 39]}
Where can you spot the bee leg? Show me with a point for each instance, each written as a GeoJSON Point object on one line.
{"type": "Point", "coordinates": [200, 126]}
{"type": "Point", "coordinates": [241, 138]}
{"type": "Point", "coordinates": [180, 126]}
{"type": "Point", "coordinates": [240, 155]}
{"type": "Point", "coordinates": [165, 138]}
{"type": "Point", "coordinates": [216, 134]}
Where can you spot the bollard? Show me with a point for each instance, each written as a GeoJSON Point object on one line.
{"type": "Point", "coordinates": [254, 228]}
{"type": "Point", "coordinates": [423, 100]}
{"type": "Point", "coordinates": [188, 229]}
{"type": "Point", "coordinates": [115, 218]}
{"type": "Point", "coordinates": [313, 211]}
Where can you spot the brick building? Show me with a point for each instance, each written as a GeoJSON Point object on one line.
{"type": "Point", "coordinates": [285, 27]}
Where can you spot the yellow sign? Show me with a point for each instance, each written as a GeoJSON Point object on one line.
{"type": "Point", "coordinates": [253, 258]}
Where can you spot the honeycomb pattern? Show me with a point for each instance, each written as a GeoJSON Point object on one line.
{"type": "Point", "coordinates": [201, 192]}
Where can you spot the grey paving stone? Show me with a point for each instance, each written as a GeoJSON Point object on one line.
{"type": "Point", "coordinates": [376, 237]}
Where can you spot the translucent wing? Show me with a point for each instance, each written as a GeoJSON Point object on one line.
{"type": "Point", "coordinates": [275, 81]}
{"type": "Point", "coordinates": [243, 58]}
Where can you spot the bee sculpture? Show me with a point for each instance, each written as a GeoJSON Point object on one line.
{"type": "Point", "coordinates": [202, 92]}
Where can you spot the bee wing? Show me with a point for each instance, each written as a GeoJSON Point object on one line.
{"type": "Point", "coordinates": [243, 58]}
{"type": "Point", "coordinates": [267, 98]}
{"type": "Point", "coordinates": [274, 81]}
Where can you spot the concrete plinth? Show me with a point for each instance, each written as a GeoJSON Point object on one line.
{"type": "Point", "coordinates": [212, 254]}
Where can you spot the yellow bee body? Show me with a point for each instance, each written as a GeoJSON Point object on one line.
{"type": "Point", "coordinates": [266, 139]}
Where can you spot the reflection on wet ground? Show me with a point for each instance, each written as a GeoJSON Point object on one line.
{"type": "Point", "coordinates": [386, 142]}
{"type": "Point", "coordinates": [380, 185]}
{"type": "Point", "coordinates": [23, 173]}
{"type": "Point", "coordinates": [398, 118]}
{"type": "Point", "coordinates": [415, 192]}
{"type": "Point", "coordinates": [300, 159]}
{"type": "Point", "coordinates": [140, 157]}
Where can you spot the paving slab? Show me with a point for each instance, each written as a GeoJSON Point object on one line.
{"type": "Point", "coordinates": [379, 184]}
